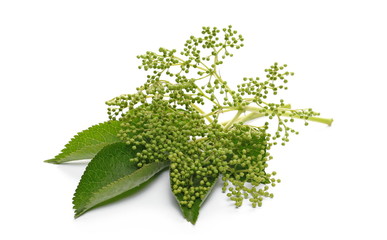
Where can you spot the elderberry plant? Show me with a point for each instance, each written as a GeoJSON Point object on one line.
{"type": "Point", "coordinates": [163, 125]}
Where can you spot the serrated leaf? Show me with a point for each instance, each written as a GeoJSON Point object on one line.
{"type": "Point", "coordinates": [86, 144]}
{"type": "Point", "coordinates": [192, 214]}
{"type": "Point", "coordinates": [109, 174]}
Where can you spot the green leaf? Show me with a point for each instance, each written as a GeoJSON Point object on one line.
{"type": "Point", "coordinates": [86, 144]}
{"type": "Point", "coordinates": [192, 214]}
{"type": "Point", "coordinates": [109, 174]}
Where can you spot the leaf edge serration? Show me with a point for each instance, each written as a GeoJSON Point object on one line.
{"type": "Point", "coordinates": [66, 155]}
{"type": "Point", "coordinates": [93, 200]}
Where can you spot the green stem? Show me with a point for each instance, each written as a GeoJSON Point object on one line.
{"type": "Point", "coordinates": [250, 116]}
{"type": "Point", "coordinates": [256, 113]}
{"type": "Point", "coordinates": [205, 95]}
{"type": "Point", "coordinates": [327, 121]}
{"type": "Point", "coordinates": [228, 89]}
{"type": "Point", "coordinates": [201, 112]}
{"type": "Point", "coordinates": [218, 111]}
{"type": "Point", "coordinates": [216, 75]}
{"type": "Point", "coordinates": [235, 118]}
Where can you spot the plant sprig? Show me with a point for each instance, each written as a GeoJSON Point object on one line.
{"type": "Point", "coordinates": [164, 122]}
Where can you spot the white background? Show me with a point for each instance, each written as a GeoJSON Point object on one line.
{"type": "Point", "coordinates": [61, 60]}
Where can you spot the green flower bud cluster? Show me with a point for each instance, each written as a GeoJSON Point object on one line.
{"type": "Point", "coordinates": [260, 90]}
{"type": "Point", "coordinates": [164, 122]}
{"type": "Point", "coordinates": [193, 169]}
{"type": "Point", "coordinates": [245, 168]}
{"type": "Point", "coordinates": [213, 45]}
{"type": "Point", "coordinates": [239, 155]}
{"type": "Point", "coordinates": [165, 59]}
{"type": "Point", "coordinates": [160, 129]}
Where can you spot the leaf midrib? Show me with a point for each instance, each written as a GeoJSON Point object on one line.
{"type": "Point", "coordinates": [93, 200]}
